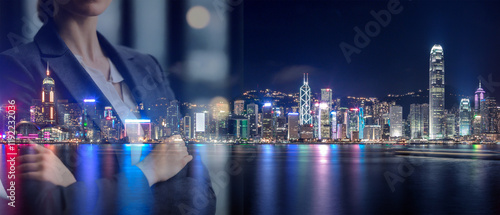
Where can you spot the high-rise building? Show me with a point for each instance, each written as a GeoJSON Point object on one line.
{"type": "Point", "coordinates": [326, 96]}
{"type": "Point", "coordinates": [305, 102]}
{"type": "Point", "coordinates": [341, 131]}
{"type": "Point", "coordinates": [396, 121]}
{"type": "Point", "coordinates": [48, 100]}
{"type": "Point", "coordinates": [268, 122]}
{"type": "Point", "coordinates": [352, 121]}
{"type": "Point", "coordinates": [489, 120]}
{"type": "Point", "coordinates": [436, 93]}
{"type": "Point", "coordinates": [324, 121]}
{"type": "Point", "coordinates": [293, 126]}
{"type": "Point", "coordinates": [416, 122]}
{"type": "Point", "coordinates": [110, 129]}
{"type": "Point", "coordinates": [465, 117]}
{"type": "Point", "coordinates": [90, 121]}
{"type": "Point", "coordinates": [306, 132]}
{"type": "Point", "coordinates": [372, 132]}
{"type": "Point", "coordinates": [333, 121]}
{"type": "Point", "coordinates": [385, 125]}
{"type": "Point", "coordinates": [425, 121]}
{"type": "Point", "coordinates": [253, 113]}
{"type": "Point", "coordinates": [450, 125]}
{"type": "Point", "coordinates": [478, 97]}
{"type": "Point", "coordinates": [239, 107]}
{"type": "Point", "coordinates": [173, 117]}
{"type": "Point", "coordinates": [187, 128]}
{"type": "Point", "coordinates": [36, 115]}
{"type": "Point", "coordinates": [200, 125]}
{"type": "Point", "coordinates": [361, 119]}
{"type": "Point", "coordinates": [238, 127]}
{"type": "Point", "coordinates": [281, 130]}
{"type": "Point", "coordinates": [218, 123]}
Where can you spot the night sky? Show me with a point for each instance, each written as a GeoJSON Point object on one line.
{"type": "Point", "coordinates": [283, 39]}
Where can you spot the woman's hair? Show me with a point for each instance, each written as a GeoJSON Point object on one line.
{"type": "Point", "coordinates": [45, 10]}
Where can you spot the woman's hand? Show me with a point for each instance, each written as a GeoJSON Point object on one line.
{"type": "Point", "coordinates": [45, 166]}
{"type": "Point", "coordinates": [165, 160]}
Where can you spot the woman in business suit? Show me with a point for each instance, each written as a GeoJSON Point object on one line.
{"type": "Point", "coordinates": [86, 64]}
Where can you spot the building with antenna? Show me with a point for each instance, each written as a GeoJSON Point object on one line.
{"type": "Point", "coordinates": [436, 93]}
{"type": "Point", "coordinates": [305, 102]}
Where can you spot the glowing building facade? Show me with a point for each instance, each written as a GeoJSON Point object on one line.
{"type": "Point", "coordinates": [268, 122]}
{"type": "Point", "coordinates": [293, 126]}
{"type": "Point", "coordinates": [239, 107]}
{"type": "Point", "coordinates": [324, 121]}
{"type": "Point", "coordinates": [436, 93]}
{"type": "Point", "coordinates": [396, 121]}
{"type": "Point", "coordinates": [464, 117]}
{"type": "Point", "coordinates": [48, 101]}
{"type": "Point", "coordinates": [416, 121]}
{"type": "Point", "coordinates": [478, 97]}
{"type": "Point", "coordinates": [305, 102]}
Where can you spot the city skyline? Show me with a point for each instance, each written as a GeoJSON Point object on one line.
{"type": "Point", "coordinates": [398, 52]}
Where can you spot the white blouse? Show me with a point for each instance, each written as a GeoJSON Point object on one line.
{"type": "Point", "coordinates": [124, 108]}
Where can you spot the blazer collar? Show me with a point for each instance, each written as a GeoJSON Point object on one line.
{"type": "Point", "coordinates": [73, 76]}
{"type": "Point", "coordinates": [49, 42]}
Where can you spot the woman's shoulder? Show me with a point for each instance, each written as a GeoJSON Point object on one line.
{"type": "Point", "coordinates": [24, 54]}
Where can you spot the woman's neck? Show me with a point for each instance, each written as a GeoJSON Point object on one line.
{"type": "Point", "coordinates": [80, 35]}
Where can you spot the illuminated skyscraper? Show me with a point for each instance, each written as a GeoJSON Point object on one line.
{"type": "Point", "coordinates": [187, 127]}
{"type": "Point", "coordinates": [89, 114]}
{"type": "Point", "coordinates": [436, 93]}
{"type": "Point", "coordinates": [464, 117]}
{"type": "Point", "coordinates": [253, 113]}
{"type": "Point", "coordinates": [396, 121]}
{"type": "Point", "coordinates": [324, 121]}
{"type": "Point", "coordinates": [239, 106]}
{"type": "Point", "coordinates": [489, 120]}
{"type": "Point", "coordinates": [218, 122]}
{"type": "Point", "coordinates": [478, 97]}
{"type": "Point", "coordinates": [425, 121]}
{"type": "Point", "coordinates": [293, 126]}
{"type": "Point", "coordinates": [333, 120]}
{"type": "Point", "coordinates": [416, 121]}
{"type": "Point", "coordinates": [173, 118]}
{"type": "Point", "coordinates": [200, 125]}
{"type": "Point", "coordinates": [326, 96]}
{"type": "Point", "coordinates": [305, 102]}
{"type": "Point", "coordinates": [450, 125]}
{"type": "Point", "coordinates": [352, 121]}
{"type": "Point", "coordinates": [362, 123]}
{"type": "Point", "coordinates": [268, 122]}
{"type": "Point", "coordinates": [48, 100]}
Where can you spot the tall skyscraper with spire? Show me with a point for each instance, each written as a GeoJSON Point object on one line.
{"type": "Point", "coordinates": [48, 100]}
{"type": "Point", "coordinates": [478, 97]}
{"type": "Point", "coordinates": [436, 93]}
{"type": "Point", "coordinates": [305, 102]}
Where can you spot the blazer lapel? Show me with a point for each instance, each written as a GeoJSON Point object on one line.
{"type": "Point", "coordinates": [66, 67]}
{"type": "Point", "coordinates": [123, 63]}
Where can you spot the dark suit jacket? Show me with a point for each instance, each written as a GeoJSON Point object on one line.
{"type": "Point", "coordinates": [22, 71]}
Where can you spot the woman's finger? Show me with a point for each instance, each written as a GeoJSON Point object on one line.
{"type": "Point", "coordinates": [29, 158]}
{"type": "Point", "coordinates": [29, 167]}
{"type": "Point", "coordinates": [32, 175]}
